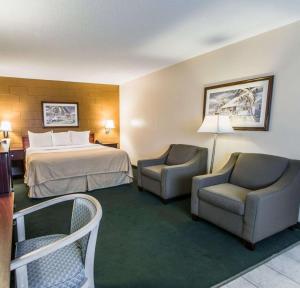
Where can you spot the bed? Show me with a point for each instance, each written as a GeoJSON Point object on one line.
{"type": "Point", "coordinates": [58, 170]}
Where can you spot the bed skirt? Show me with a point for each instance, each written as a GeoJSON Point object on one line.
{"type": "Point", "coordinates": [78, 184]}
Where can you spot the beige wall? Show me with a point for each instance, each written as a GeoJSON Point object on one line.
{"type": "Point", "coordinates": [20, 103]}
{"type": "Point", "coordinates": [166, 106]}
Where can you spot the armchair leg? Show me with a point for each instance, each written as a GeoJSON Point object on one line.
{"type": "Point", "coordinates": [293, 227]}
{"type": "Point", "coordinates": [165, 201]}
{"type": "Point", "coordinates": [250, 246]}
{"type": "Point", "coordinates": [195, 217]}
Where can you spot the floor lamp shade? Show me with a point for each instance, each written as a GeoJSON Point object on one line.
{"type": "Point", "coordinates": [215, 124]}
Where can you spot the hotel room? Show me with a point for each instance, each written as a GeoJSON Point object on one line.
{"type": "Point", "coordinates": [149, 143]}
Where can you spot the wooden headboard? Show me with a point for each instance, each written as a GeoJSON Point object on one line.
{"type": "Point", "coordinates": [25, 140]}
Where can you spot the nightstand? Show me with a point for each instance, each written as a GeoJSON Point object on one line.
{"type": "Point", "coordinates": [17, 156]}
{"type": "Point", "coordinates": [108, 144]}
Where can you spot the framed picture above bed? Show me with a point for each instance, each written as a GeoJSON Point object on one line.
{"type": "Point", "coordinates": [60, 114]}
{"type": "Point", "coordinates": [247, 102]}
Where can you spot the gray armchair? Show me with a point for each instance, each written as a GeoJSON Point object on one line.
{"type": "Point", "coordinates": [254, 196]}
{"type": "Point", "coordinates": [170, 175]}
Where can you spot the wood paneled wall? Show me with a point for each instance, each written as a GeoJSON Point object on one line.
{"type": "Point", "coordinates": [20, 103]}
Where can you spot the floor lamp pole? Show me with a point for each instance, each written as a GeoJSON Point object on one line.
{"type": "Point", "coordinates": [213, 154]}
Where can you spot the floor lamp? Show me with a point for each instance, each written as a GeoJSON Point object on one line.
{"type": "Point", "coordinates": [215, 124]}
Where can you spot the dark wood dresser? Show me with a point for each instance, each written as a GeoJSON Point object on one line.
{"type": "Point", "coordinates": [6, 215]}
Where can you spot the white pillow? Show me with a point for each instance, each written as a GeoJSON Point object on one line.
{"type": "Point", "coordinates": [61, 138]}
{"type": "Point", "coordinates": [40, 139]}
{"type": "Point", "coordinates": [80, 138]}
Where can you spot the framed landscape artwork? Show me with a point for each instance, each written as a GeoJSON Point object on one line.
{"type": "Point", "coordinates": [247, 102]}
{"type": "Point", "coordinates": [59, 114]}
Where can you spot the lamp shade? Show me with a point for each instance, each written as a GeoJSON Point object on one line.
{"type": "Point", "coordinates": [109, 124]}
{"type": "Point", "coordinates": [217, 124]}
{"type": "Point", "coordinates": [5, 126]}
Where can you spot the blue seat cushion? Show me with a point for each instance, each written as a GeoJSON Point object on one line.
{"type": "Point", "coordinates": [61, 269]}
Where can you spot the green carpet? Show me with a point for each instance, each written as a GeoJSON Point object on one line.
{"type": "Point", "coordinates": [144, 243]}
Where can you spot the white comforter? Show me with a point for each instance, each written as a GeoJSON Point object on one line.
{"type": "Point", "coordinates": [61, 162]}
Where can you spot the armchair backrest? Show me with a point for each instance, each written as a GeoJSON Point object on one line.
{"type": "Point", "coordinates": [255, 171]}
{"type": "Point", "coordinates": [181, 153]}
{"type": "Point", "coordinates": [84, 210]}
{"type": "Point", "coordinates": [85, 221]}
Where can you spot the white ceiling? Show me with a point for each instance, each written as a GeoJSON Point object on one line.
{"type": "Point", "coordinates": [113, 41]}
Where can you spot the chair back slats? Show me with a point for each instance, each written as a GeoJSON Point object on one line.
{"type": "Point", "coordinates": [83, 211]}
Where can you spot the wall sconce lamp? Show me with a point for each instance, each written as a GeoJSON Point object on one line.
{"type": "Point", "coordinates": [109, 124]}
{"type": "Point", "coordinates": [5, 127]}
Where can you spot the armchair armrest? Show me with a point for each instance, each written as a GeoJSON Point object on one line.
{"type": "Point", "coordinates": [201, 181]}
{"type": "Point", "coordinates": [155, 161]}
{"type": "Point", "coordinates": [90, 227]}
{"type": "Point", "coordinates": [42, 205]}
{"type": "Point", "coordinates": [150, 162]}
{"type": "Point", "coordinates": [274, 208]}
{"type": "Point", "coordinates": [211, 179]}
{"type": "Point", "coordinates": [196, 165]}
{"type": "Point", "coordinates": [222, 176]}
{"type": "Point", "coordinates": [178, 178]}
{"type": "Point", "coordinates": [50, 248]}
{"type": "Point", "coordinates": [19, 215]}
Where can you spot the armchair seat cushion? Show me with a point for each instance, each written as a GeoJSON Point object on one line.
{"type": "Point", "coordinates": [226, 196]}
{"type": "Point", "coordinates": [61, 269]}
{"type": "Point", "coordinates": [153, 172]}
